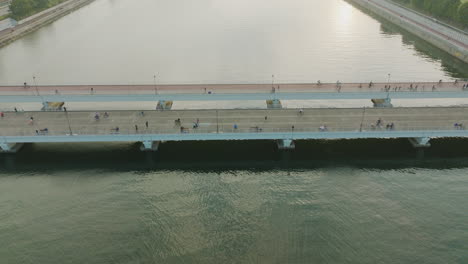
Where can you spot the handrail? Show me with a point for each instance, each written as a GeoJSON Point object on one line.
{"type": "Point", "coordinates": [222, 130]}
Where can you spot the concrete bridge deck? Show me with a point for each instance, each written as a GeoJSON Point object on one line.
{"type": "Point", "coordinates": [279, 124]}
{"type": "Point", "coordinates": [217, 92]}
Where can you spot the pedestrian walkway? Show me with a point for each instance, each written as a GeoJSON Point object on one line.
{"type": "Point", "coordinates": [283, 125]}
{"type": "Point", "coordinates": [232, 92]}
{"type": "Point", "coordinates": [222, 121]}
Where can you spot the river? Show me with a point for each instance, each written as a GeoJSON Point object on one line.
{"type": "Point", "coordinates": [344, 202]}
{"type": "Point", "coordinates": [124, 42]}
{"type": "Point", "coordinates": [231, 202]}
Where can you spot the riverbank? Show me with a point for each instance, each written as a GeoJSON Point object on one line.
{"type": "Point", "coordinates": [36, 21]}
{"type": "Point", "coordinates": [452, 23]}
{"type": "Point", "coordinates": [451, 41]}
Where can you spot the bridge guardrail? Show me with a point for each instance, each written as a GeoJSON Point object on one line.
{"type": "Point", "coordinates": [59, 91]}
{"type": "Point", "coordinates": [224, 130]}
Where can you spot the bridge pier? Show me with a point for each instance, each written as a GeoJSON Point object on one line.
{"type": "Point", "coordinates": [274, 104]}
{"type": "Point", "coordinates": [164, 105]}
{"type": "Point", "coordinates": [382, 103]}
{"type": "Point", "coordinates": [10, 147]}
{"type": "Point", "coordinates": [422, 142]}
{"type": "Point", "coordinates": [286, 144]}
{"type": "Point", "coordinates": [149, 145]}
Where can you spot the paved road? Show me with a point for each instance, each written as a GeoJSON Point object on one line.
{"type": "Point", "coordinates": [222, 121]}
{"type": "Point", "coordinates": [30, 89]}
{"type": "Point", "coordinates": [33, 22]}
{"type": "Point", "coordinates": [4, 10]}
{"type": "Point", "coordinates": [431, 26]}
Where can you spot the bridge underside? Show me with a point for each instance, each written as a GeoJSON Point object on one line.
{"type": "Point", "coordinates": [283, 141]}
{"type": "Point", "coordinates": [10, 147]}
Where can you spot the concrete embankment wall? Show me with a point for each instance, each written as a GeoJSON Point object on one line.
{"type": "Point", "coordinates": [49, 16]}
{"type": "Point", "coordinates": [437, 40]}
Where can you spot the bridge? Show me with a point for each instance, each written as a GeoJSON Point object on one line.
{"type": "Point", "coordinates": [284, 126]}
{"type": "Point", "coordinates": [232, 92]}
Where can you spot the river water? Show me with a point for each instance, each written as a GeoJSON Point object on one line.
{"type": "Point", "coordinates": [239, 202]}
{"type": "Point", "coordinates": [200, 203]}
{"type": "Point", "coordinates": [223, 41]}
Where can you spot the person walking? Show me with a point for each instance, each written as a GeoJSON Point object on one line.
{"type": "Point", "coordinates": [146, 123]}
{"type": "Point", "coordinates": [136, 128]}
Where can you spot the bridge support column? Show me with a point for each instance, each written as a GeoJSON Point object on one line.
{"type": "Point", "coordinates": [149, 145]}
{"type": "Point", "coordinates": [10, 147]}
{"type": "Point", "coordinates": [274, 104]}
{"type": "Point", "coordinates": [164, 105]}
{"type": "Point", "coordinates": [286, 144]}
{"type": "Point", "coordinates": [382, 103]}
{"type": "Point", "coordinates": [420, 142]}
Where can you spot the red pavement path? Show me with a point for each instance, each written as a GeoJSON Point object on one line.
{"type": "Point", "coordinates": [223, 88]}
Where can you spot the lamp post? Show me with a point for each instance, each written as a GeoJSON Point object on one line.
{"type": "Point", "coordinates": [35, 84]}
{"type": "Point", "coordinates": [155, 88]}
{"type": "Point", "coordinates": [37, 89]}
{"type": "Point", "coordinates": [217, 122]}
{"type": "Point", "coordinates": [362, 119]}
{"type": "Point", "coordinates": [68, 121]}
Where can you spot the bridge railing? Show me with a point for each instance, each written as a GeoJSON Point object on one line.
{"type": "Point", "coordinates": [254, 129]}
{"type": "Point", "coordinates": [58, 91]}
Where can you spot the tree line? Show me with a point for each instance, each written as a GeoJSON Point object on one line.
{"type": "Point", "coordinates": [24, 8]}
{"type": "Point", "coordinates": [450, 10]}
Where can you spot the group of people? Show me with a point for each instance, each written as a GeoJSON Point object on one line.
{"type": "Point", "coordinates": [379, 125]}
{"type": "Point", "coordinates": [390, 126]}
{"type": "Point", "coordinates": [459, 126]}
{"type": "Point", "coordinates": [97, 115]}
{"type": "Point", "coordinates": [42, 131]}
{"type": "Point", "coordinates": [256, 129]}
{"type": "Point", "coordinates": [389, 87]}
{"type": "Point", "coordinates": [414, 88]}
{"type": "Point", "coordinates": [178, 122]}
{"type": "Point", "coordinates": [196, 124]}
